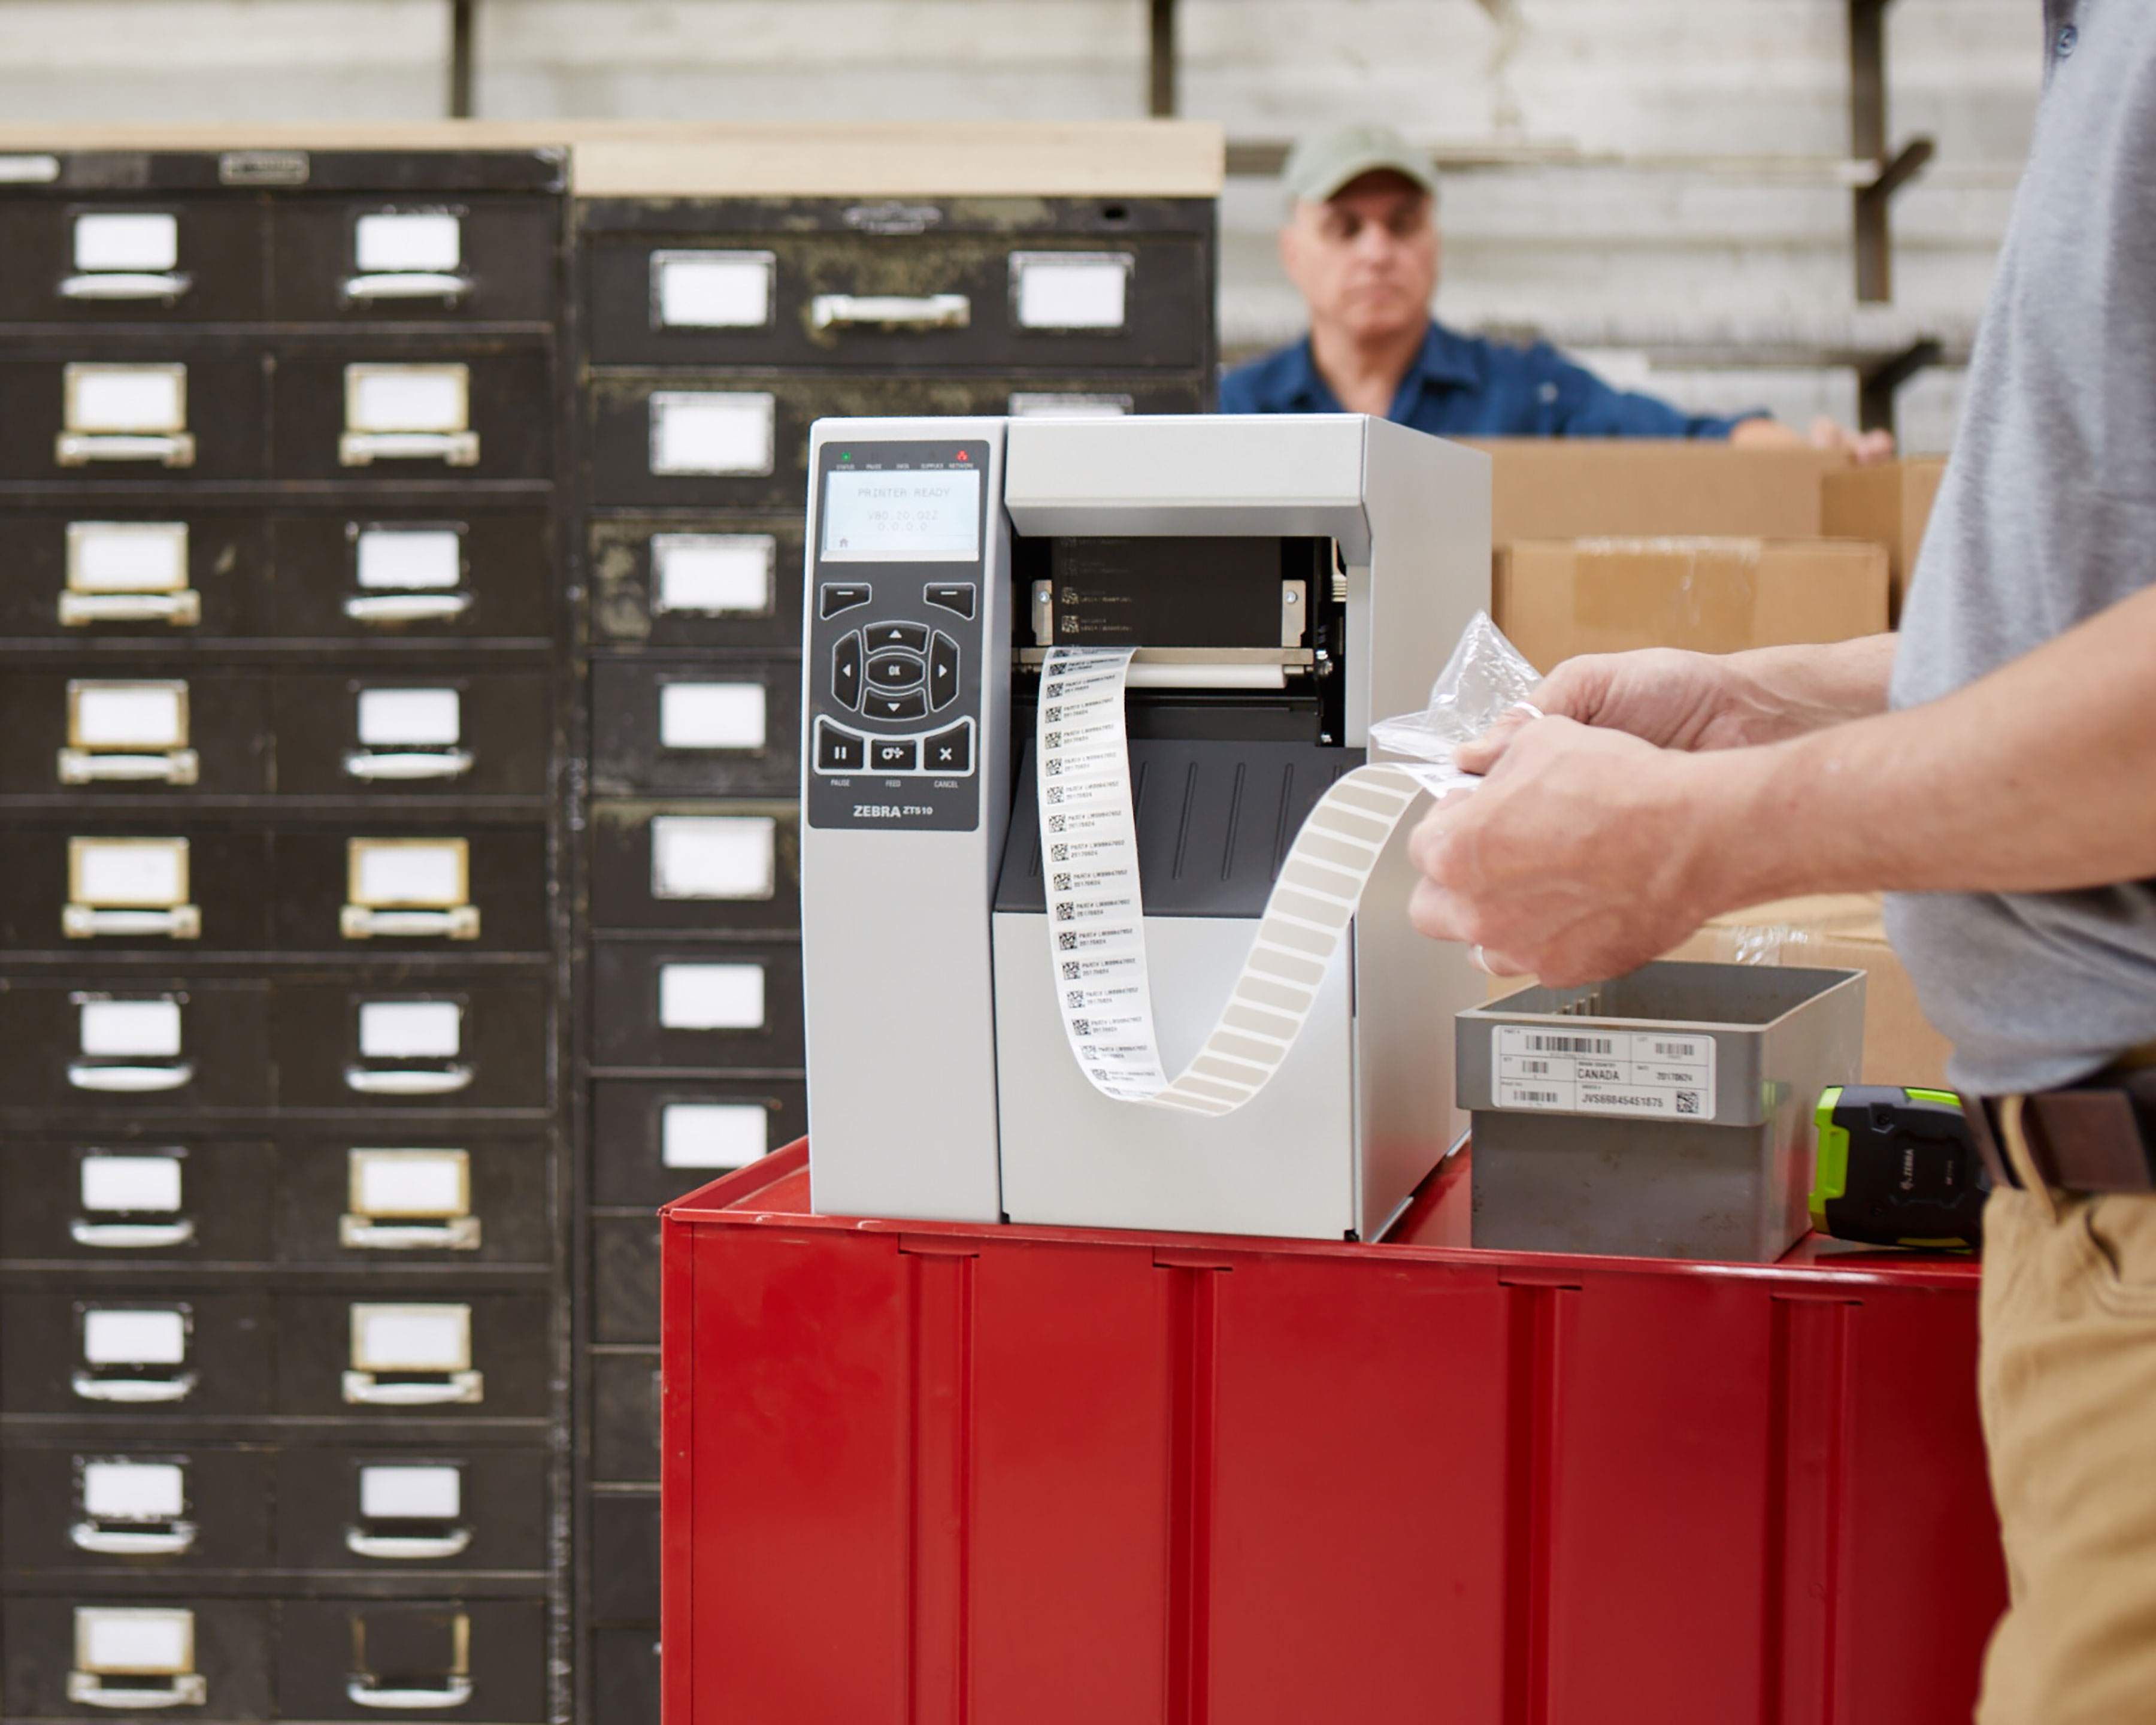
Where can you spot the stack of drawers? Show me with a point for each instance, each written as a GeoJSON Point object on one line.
{"type": "Point", "coordinates": [715, 327]}
{"type": "Point", "coordinates": [283, 1322]}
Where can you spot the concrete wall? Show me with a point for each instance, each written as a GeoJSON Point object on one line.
{"type": "Point", "coordinates": [1721, 217]}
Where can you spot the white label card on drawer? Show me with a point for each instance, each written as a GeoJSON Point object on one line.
{"type": "Point", "coordinates": [712, 290]}
{"type": "Point", "coordinates": [126, 398]}
{"type": "Point", "coordinates": [1035, 406]}
{"type": "Point", "coordinates": [723, 856]}
{"type": "Point", "coordinates": [709, 431]}
{"type": "Point", "coordinates": [425, 873]}
{"type": "Point", "coordinates": [410, 1029]}
{"type": "Point", "coordinates": [128, 715]}
{"type": "Point", "coordinates": [110, 1028]}
{"type": "Point", "coordinates": [131, 1185]}
{"type": "Point", "coordinates": [391, 397]}
{"type": "Point", "coordinates": [141, 1641]}
{"type": "Point", "coordinates": [711, 997]}
{"type": "Point", "coordinates": [409, 559]}
{"type": "Point", "coordinates": [117, 1490]}
{"type": "Point", "coordinates": [411, 1183]}
{"type": "Point", "coordinates": [157, 1338]}
{"type": "Point", "coordinates": [409, 718]}
{"type": "Point", "coordinates": [411, 1338]}
{"type": "Point", "coordinates": [711, 715]}
{"type": "Point", "coordinates": [140, 873]}
{"type": "Point", "coordinates": [713, 1135]}
{"type": "Point", "coordinates": [126, 557]}
{"type": "Point", "coordinates": [1661, 1075]}
{"type": "Point", "coordinates": [390, 241]}
{"type": "Point", "coordinates": [411, 1492]}
{"type": "Point", "coordinates": [126, 240]}
{"type": "Point", "coordinates": [713, 574]}
{"type": "Point", "coordinates": [1070, 291]}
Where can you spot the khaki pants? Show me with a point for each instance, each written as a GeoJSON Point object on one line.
{"type": "Point", "coordinates": [2068, 1386]}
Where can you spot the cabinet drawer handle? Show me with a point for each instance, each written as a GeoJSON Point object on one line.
{"type": "Point", "coordinates": [360, 922]}
{"type": "Point", "coordinates": [408, 285]}
{"type": "Point", "coordinates": [127, 1236]}
{"type": "Point", "coordinates": [460, 1235]}
{"type": "Point", "coordinates": [363, 449]}
{"type": "Point", "coordinates": [182, 922]}
{"type": "Point", "coordinates": [127, 284]}
{"type": "Point", "coordinates": [448, 763]}
{"type": "Point", "coordinates": [86, 1689]}
{"type": "Point", "coordinates": [128, 1080]}
{"type": "Point", "coordinates": [455, 1694]}
{"type": "Point", "coordinates": [80, 767]}
{"type": "Point", "coordinates": [115, 1542]}
{"type": "Point", "coordinates": [408, 607]}
{"type": "Point", "coordinates": [363, 1388]}
{"type": "Point", "coordinates": [890, 311]}
{"type": "Point", "coordinates": [417, 1081]}
{"type": "Point", "coordinates": [406, 1549]}
{"type": "Point", "coordinates": [78, 448]}
{"type": "Point", "coordinates": [134, 1389]}
{"type": "Point", "coordinates": [182, 609]}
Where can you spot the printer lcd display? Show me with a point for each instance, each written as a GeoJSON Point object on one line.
{"type": "Point", "coordinates": [910, 515]}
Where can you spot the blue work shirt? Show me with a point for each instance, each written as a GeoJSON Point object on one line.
{"type": "Point", "coordinates": [1462, 385]}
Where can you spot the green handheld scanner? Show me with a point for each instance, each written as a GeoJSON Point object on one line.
{"type": "Point", "coordinates": [1898, 1168]}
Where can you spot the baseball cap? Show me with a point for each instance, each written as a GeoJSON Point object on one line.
{"type": "Point", "coordinates": [1326, 161]}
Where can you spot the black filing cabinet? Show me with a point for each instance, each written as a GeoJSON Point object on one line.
{"type": "Point", "coordinates": [715, 330]}
{"type": "Point", "coordinates": [285, 710]}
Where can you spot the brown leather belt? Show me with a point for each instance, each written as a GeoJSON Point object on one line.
{"type": "Point", "coordinates": [2097, 1136]}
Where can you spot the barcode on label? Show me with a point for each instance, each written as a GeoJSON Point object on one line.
{"type": "Point", "coordinates": [1677, 1051]}
{"type": "Point", "coordinates": [1571, 1045]}
{"type": "Point", "coordinates": [1540, 1069]}
{"type": "Point", "coordinates": [1536, 1096]}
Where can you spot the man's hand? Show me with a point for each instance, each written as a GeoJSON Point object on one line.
{"type": "Point", "coordinates": [1865, 448]}
{"type": "Point", "coordinates": [1582, 855]}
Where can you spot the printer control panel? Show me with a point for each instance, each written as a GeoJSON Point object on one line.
{"type": "Point", "coordinates": [897, 603]}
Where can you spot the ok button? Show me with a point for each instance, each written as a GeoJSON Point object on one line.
{"type": "Point", "coordinates": [895, 670]}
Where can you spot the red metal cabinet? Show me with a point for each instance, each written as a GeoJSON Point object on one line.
{"type": "Point", "coordinates": [927, 1472]}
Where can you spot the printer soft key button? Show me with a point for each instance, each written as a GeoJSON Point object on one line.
{"type": "Point", "coordinates": [894, 670]}
{"type": "Point", "coordinates": [892, 755]}
{"type": "Point", "coordinates": [911, 704]}
{"type": "Point", "coordinates": [837, 595]}
{"type": "Point", "coordinates": [907, 637]}
{"type": "Point", "coordinates": [942, 672]}
{"type": "Point", "coordinates": [952, 596]}
{"type": "Point", "coordinates": [838, 750]}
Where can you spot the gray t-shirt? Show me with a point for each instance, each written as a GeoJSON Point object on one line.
{"type": "Point", "coordinates": [2047, 515]}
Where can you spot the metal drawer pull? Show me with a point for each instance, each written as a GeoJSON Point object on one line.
{"type": "Point", "coordinates": [181, 609]}
{"type": "Point", "coordinates": [78, 448]}
{"type": "Point", "coordinates": [420, 1081]}
{"type": "Point", "coordinates": [460, 1235]}
{"type": "Point", "coordinates": [182, 922]}
{"type": "Point", "coordinates": [127, 284]}
{"type": "Point", "coordinates": [116, 1543]}
{"type": "Point", "coordinates": [189, 1690]}
{"type": "Point", "coordinates": [363, 449]}
{"type": "Point", "coordinates": [361, 922]}
{"type": "Point", "coordinates": [176, 766]}
{"type": "Point", "coordinates": [408, 285]}
{"type": "Point", "coordinates": [364, 1387]}
{"type": "Point", "coordinates": [408, 607]}
{"type": "Point", "coordinates": [444, 763]}
{"type": "Point", "coordinates": [454, 1694]}
{"type": "Point", "coordinates": [134, 1389]}
{"type": "Point", "coordinates": [889, 311]}
{"type": "Point", "coordinates": [131, 1235]}
{"type": "Point", "coordinates": [129, 1080]}
{"type": "Point", "coordinates": [406, 1548]}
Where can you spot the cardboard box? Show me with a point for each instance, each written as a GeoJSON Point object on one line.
{"type": "Point", "coordinates": [1556, 598]}
{"type": "Point", "coordinates": [1579, 488]}
{"type": "Point", "coordinates": [1838, 933]}
{"type": "Point", "coordinates": [1889, 505]}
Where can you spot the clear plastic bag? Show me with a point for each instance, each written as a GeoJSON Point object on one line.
{"type": "Point", "coordinates": [1485, 679]}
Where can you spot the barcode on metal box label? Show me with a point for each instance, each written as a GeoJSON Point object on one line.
{"type": "Point", "coordinates": [1635, 1075]}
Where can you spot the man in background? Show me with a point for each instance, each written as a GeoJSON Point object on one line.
{"type": "Point", "coordinates": [1361, 243]}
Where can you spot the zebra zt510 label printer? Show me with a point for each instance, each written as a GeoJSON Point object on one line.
{"type": "Point", "coordinates": [1250, 593]}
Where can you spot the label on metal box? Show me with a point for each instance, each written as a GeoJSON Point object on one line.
{"type": "Point", "coordinates": [1641, 1074]}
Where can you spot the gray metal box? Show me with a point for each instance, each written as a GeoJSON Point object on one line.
{"type": "Point", "coordinates": [1663, 1114]}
